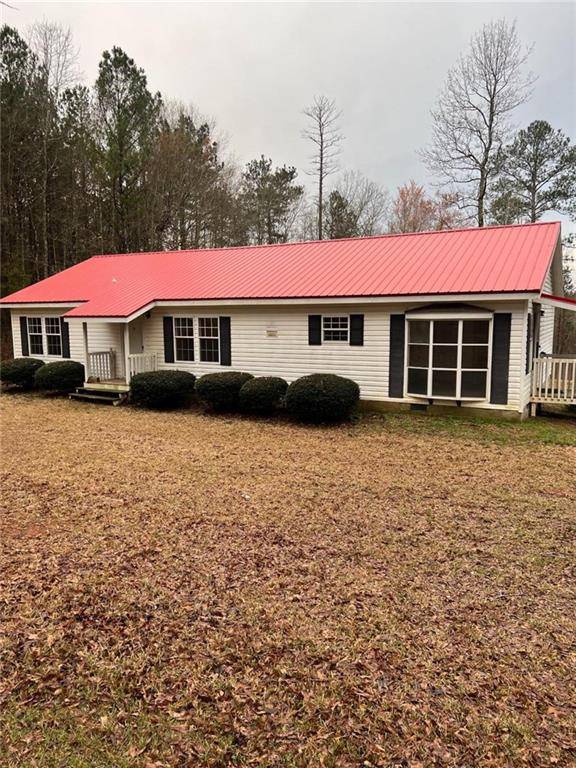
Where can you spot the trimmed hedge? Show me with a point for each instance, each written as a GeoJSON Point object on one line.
{"type": "Point", "coordinates": [63, 376]}
{"type": "Point", "coordinates": [263, 395]}
{"type": "Point", "coordinates": [162, 389]}
{"type": "Point", "coordinates": [322, 397]}
{"type": "Point", "coordinates": [20, 371]}
{"type": "Point", "coordinates": [221, 391]}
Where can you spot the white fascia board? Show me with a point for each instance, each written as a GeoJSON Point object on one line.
{"type": "Point", "coordinates": [447, 315]}
{"type": "Point", "coordinates": [558, 303]}
{"type": "Point", "coordinates": [113, 318]}
{"type": "Point", "coordinates": [344, 300]}
{"type": "Point", "coordinates": [410, 299]}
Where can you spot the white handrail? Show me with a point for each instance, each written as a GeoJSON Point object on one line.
{"type": "Point", "coordinates": [102, 365]}
{"type": "Point", "coordinates": [141, 363]}
{"type": "Point", "coordinates": [553, 380]}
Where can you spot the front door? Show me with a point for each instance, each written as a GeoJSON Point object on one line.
{"type": "Point", "coordinates": [136, 337]}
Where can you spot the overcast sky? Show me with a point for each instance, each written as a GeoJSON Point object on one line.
{"type": "Point", "coordinates": [253, 67]}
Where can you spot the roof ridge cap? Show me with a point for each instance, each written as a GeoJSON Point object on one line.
{"type": "Point", "coordinates": [337, 240]}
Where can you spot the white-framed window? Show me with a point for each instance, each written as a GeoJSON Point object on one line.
{"type": "Point", "coordinates": [335, 327]}
{"type": "Point", "coordinates": [184, 339]}
{"type": "Point", "coordinates": [35, 336]}
{"type": "Point", "coordinates": [209, 339]}
{"type": "Point", "coordinates": [448, 358]}
{"type": "Point", "coordinates": [53, 336]}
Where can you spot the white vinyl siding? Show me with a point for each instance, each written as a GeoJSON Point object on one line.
{"type": "Point", "coordinates": [273, 340]}
{"type": "Point", "coordinates": [101, 337]}
{"type": "Point", "coordinates": [268, 341]}
{"type": "Point", "coordinates": [547, 320]}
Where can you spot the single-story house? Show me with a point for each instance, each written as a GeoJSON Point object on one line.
{"type": "Point", "coordinates": [455, 317]}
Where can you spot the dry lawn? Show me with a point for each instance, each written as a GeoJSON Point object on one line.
{"type": "Point", "coordinates": [186, 590]}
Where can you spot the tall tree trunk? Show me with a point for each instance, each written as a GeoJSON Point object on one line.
{"type": "Point", "coordinates": [321, 191]}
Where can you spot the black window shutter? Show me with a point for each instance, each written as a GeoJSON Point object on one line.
{"type": "Point", "coordinates": [500, 358]}
{"type": "Point", "coordinates": [528, 340]}
{"type": "Point", "coordinates": [24, 336]}
{"type": "Point", "coordinates": [314, 330]}
{"type": "Point", "coordinates": [168, 339]}
{"type": "Point", "coordinates": [396, 370]}
{"type": "Point", "coordinates": [225, 342]}
{"type": "Point", "coordinates": [65, 333]}
{"type": "Point", "coordinates": [356, 330]}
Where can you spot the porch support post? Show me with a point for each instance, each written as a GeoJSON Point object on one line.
{"type": "Point", "coordinates": [126, 353]}
{"type": "Point", "coordinates": [86, 355]}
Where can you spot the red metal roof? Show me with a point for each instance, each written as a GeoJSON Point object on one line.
{"type": "Point", "coordinates": [488, 260]}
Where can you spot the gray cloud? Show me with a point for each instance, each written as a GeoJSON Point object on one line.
{"type": "Point", "coordinates": [253, 67]}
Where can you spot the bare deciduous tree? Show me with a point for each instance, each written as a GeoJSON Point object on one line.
{"type": "Point", "coordinates": [472, 118]}
{"type": "Point", "coordinates": [370, 203]}
{"type": "Point", "coordinates": [58, 58]}
{"type": "Point", "coordinates": [323, 131]}
{"type": "Point", "coordinates": [56, 53]}
{"type": "Point", "coordinates": [414, 211]}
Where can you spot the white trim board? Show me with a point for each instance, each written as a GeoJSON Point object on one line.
{"type": "Point", "coordinates": [333, 300]}
{"type": "Point", "coordinates": [559, 303]}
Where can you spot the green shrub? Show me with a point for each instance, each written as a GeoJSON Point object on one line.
{"type": "Point", "coordinates": [221, 391]}
{"type": "Point", "coordinates": [262, 395]}
{"type": "Point", "coordinates": [162, 389]}
{"type": "Point", "coordinates": [322, 397]}
{"type": "Point", "coordinates": [20, 371]}
{"type": "Point", "coordinates": [63, 376]}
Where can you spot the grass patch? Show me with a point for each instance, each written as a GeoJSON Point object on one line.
{"type": "Point", "coordinates": [542, 430]}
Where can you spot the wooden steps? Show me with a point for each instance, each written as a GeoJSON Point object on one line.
{"type": "Point", "coordinates": [102, 396]}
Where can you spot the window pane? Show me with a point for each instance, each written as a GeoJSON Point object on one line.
{"type": "Point", "coordinates": [36, 346]}
{"type": "Point", "coordinates": [54, 345]}
{"type": "Point", "coordinates": [208, 326]}
{"type": "Point", "coordinates": [330, 335]}
{"type": "Point", "coordinates": [209, 350]}
{"type": "Point", "coordinates": [473, 384]}
{"type": "Point", "coordinates": [419, 331]}
{"type": "Point", "coordinates": [336, 322]}
{"type": "Point", "coordinates": [418, 355]}
{"type": "Point", "coordinates": [474, 357]}
{"type": "Point", "coordinates": [417, 381]}
{"type": "Point", "coordinates": [184, 348]}
{"type": "Point", "coordinates": [34, 325]}
{"type": "Point", "coordinates": [446, 331]}
{"type": "Point", "coordinates": [53, 325]}
{"type": "Point", "coordinates": [445, 357]}
{"type": "Point", "coordinates": [475, 331]}
{"type": "Point", "coordinates": [444, 383]}
{"type": "Point", "coordinates": [183, 326]}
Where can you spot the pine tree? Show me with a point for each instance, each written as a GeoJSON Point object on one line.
{"type": "Point", "coordinates": [128, 117]}
{"type": "Point", "coordinates": [341, 219]}
{"type": "Point", "coordinates": [269, 197]}
{"type": "Point", "coordinates": [537, 174]}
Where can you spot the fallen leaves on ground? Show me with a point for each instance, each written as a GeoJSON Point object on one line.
{"type": "Point", "coordinates": [186, 590]}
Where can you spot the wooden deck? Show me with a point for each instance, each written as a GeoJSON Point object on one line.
{"type": "Point", "coordinates": [553, 381]}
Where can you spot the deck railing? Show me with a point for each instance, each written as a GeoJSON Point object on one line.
{"type": "Point", "coordinates": [554, 380]}
{"type": "Point", "coordinates": [102, 365]}
{"type": "Point", "coordinates": [141, 363]}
